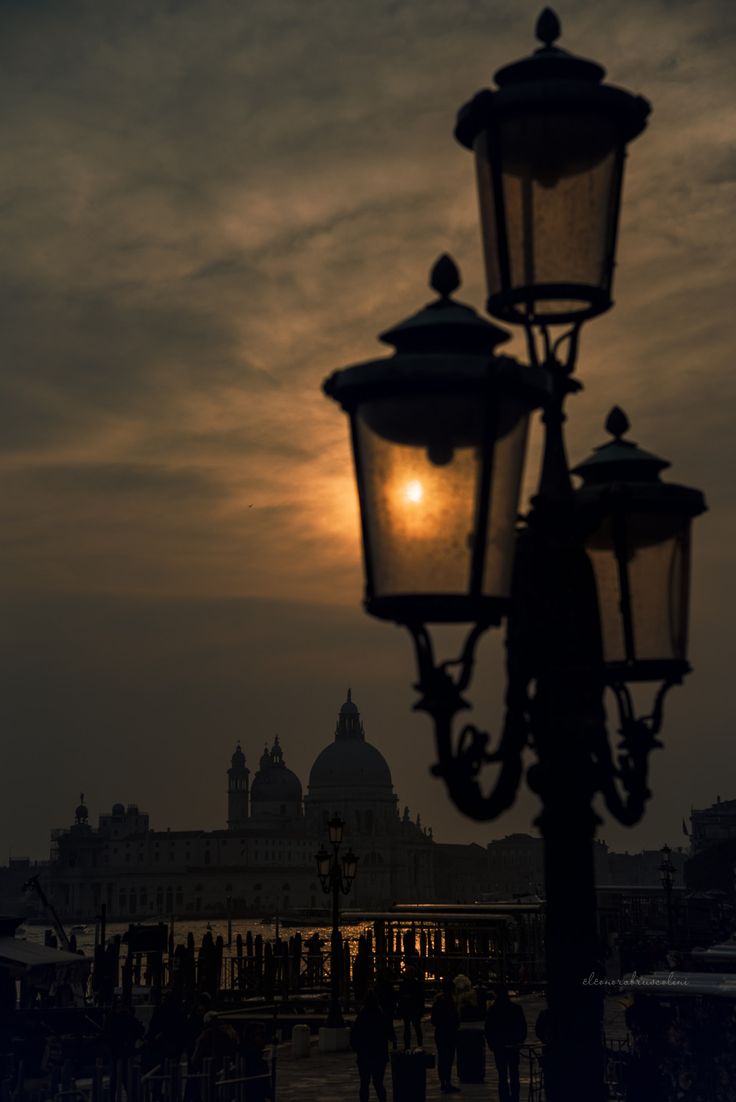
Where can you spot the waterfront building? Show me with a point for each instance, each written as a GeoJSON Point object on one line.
{"type": "Point", "coordinates": [263, 861]}
{"type": "Point", "coordinates": [712, 825]}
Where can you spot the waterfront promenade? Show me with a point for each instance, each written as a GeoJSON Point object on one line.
{"type": "Point", "coordinates": [333, 1077]}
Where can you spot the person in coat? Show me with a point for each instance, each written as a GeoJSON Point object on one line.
{"type": "Point", "coordinates": [411, 1006]}
{"type": "Point", "coordinates": [369, 1037]}
{"type": "Point", "coordinates": [445, 1019]}
{"type": "Point", "coordinates": [505, 1033]}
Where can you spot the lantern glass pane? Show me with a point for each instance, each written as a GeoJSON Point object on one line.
{"type": "Point", "coordinates": [421, 464]}
{"type": "Point", "coordinates": [508, 470]}
{"type": "Point", "coordinates": [559, 178]}
{"type": "Point", "coordinates": [657, 567]}
{"type": "Point", "coordinates": [659, 575]}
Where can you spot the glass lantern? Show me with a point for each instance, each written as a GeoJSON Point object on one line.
{"type": "Point", "coordinates": [324, 861]}
{"type": "Point", "coordinates": [349, 867]}
{"type": "Point", "coordinates": [638, 540]}
{"type": "Point", "coordinates": [439, 441]}
{"type": "Point", "coordinates": [550, 145]}
{"type": "Point", "coordinates": [335, 828]}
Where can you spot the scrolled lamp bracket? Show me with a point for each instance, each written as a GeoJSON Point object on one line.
{"type": "Point", "coordinates": [630, 770]}
{"type": "Point", "coordinates": [460, 759]}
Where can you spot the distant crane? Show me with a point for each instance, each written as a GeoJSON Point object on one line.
{"type": "Point", "coordinates": [33, 885]}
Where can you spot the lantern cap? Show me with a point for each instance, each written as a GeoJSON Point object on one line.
{"type": "Point", "coordinates": [551, 79]}
{"type": "Point", "coordinates": [620, 460]}
{"type": "Point", "coordinates": [550, 62]}
{"type": "Point", "coordinates": [445, 325]}
{"type": "Point", "coordinates": [622, 463]}
{"type": "Point", "coordinates": [444, 346]}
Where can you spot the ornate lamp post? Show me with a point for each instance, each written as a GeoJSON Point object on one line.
{"type": "Point", "coordinates": [594, 581]}
{"type": "Point", "coordinates": [667, 875]}
{"type": "Point", "coordinates": [336, 876]}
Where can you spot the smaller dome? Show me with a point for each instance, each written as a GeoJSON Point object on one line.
{"type": "Point", "coordinates": [118, 811]}
{"type": "Point", "coordinates": [274, 783]}
{"type": "Point", "coordinates": [82, 812]}
{"type": "Point", "coordinates": [276, 786]}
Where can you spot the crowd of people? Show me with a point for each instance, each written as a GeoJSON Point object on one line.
{"type": "Point", "coordinates": [502, 1021]}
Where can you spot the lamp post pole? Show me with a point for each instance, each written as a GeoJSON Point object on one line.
{"type": "Point", "coordinates": [336, 877]}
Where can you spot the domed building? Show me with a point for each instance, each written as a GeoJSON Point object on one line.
{"type": "Point", "coordinates": [263, 862]}
{"type": "Point", "coordinates": [351, 777]}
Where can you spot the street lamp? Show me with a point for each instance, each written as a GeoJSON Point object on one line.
{"type": "Point", "coordinates": [439, 433]}
{"type": "Point", "coordinates": [336, 876]}
{"type": "Point", "coordinates": [666, 875]}
{"type": "Point", "coordinates": [594, 581]}
{"type": "Point", "coordinates": [549, 146]}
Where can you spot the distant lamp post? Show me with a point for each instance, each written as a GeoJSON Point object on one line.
{"type": "Point", "coordinates": [593, 581]}
{"type": "Point", "coordinates": [336, 876]}
{"type": "Point", "coordinates": [667, 876]}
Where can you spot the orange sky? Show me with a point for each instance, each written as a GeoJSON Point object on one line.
{"type": "Point", "coordinates": [207, 208]}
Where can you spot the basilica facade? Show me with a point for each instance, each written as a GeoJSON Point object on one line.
{"type": "Point", "coordinates": [263, 862]}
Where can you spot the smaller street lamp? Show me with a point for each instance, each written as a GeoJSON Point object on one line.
{"type": "Point", "coordinates": [639, 544]}
{"type": "Point", "coordinates": [336, 876]}
{"type": "Point", "coordinates": [667, 874]}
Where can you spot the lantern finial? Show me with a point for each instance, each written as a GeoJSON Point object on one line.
{"type": "Point", "coordinates": [617, 423]}
{"type": "Point", "coordinates": [548, 28]}
{"type": "Point", "coordinates": [445, 277]}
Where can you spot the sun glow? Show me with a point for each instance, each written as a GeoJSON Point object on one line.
{"type": "Point", "coordinates": [414, 491]}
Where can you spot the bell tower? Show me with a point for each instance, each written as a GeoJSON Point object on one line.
{"type": "Point", "coordinates": [238, 789]}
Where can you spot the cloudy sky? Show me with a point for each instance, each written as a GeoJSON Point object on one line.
{"type": "Point", "coordinates": [206, 207]}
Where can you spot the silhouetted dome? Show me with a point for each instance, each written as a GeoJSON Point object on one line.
{"type": "Point", "coordinates": [349, 764]}
{"type": "Point", "coordinates": [274, 782]}
{"type": "Point", "coordinates": [278, 785]}
{"type": "Point", "coordinates": [118, 810]}
{"type": "Point", "coordinates": [349, 761]}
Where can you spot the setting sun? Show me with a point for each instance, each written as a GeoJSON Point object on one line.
{"type": "Point", "coordinates": [413, 491]}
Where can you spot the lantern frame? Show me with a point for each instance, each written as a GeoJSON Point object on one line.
{"type": "Point", "coordinates": [621, 482]}
{"type": "Point", "coordinates": [444, 349]}
{"type": "Point", "coordinates": [349, 868]}
{"type": "Point", "coordinates": [551, 82]}
{"type": "Point", "coordinates": [336, 827]}
{"type": "Point", "coordinates": [324, 864]}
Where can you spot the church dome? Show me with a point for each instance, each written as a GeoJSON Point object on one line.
{"type": "Point", "coordinates": [350, 765]}
{"type": "Point", "coordinates": [274, 782]}
{"type": "Point", "coordinates": [350, 761]}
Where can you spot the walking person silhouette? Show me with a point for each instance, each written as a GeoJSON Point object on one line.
{"type": "Point", "coordinates": [506, 1033]}
{"type": "Point", "coordinates": [369, 1037]}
